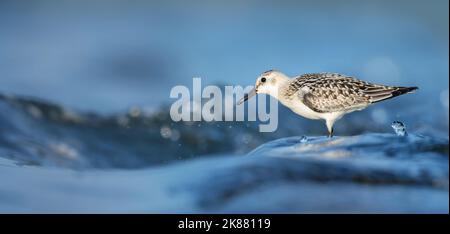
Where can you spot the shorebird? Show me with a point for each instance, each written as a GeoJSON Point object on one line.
{"type": "Point", "coordinates": [325, 96]}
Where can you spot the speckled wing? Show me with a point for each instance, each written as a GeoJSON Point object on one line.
{"type": "Point", "coordinates": [331, 92]}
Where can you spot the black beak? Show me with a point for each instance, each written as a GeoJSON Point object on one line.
{"type": "Point", "coordinates": [247, 96]}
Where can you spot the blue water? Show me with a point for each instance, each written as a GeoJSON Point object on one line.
{"type": "Point", "coordinates": [105, 164]}
{"type": "Point", "coordinates": [84, 107]}
{"type": "Point", "coordinates": [370, 173]}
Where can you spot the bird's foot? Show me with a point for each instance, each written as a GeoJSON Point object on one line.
{"type": "Point", "coordinates": [330, 134]}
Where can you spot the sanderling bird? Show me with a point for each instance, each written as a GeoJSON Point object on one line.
{"type": "Point", "coordinates": [326, 96]}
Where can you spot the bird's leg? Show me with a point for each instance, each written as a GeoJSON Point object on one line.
{"type": "Point", "coordinates": [330, 123]}
{"type": "Point", "coordinates": [330, 133]}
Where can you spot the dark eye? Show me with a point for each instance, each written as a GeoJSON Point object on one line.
{"type": "Point", "coordinates": [263, 79]}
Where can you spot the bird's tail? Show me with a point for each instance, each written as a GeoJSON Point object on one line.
{"type": "Point", "coordinates": [389, 92]}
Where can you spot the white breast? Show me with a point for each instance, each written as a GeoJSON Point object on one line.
{"type": "Point", "coordinates": [301, 109]}
{"type": "Point", "coordinates": [295, 103]}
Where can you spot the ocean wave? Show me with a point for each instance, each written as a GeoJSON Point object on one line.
{"type": "Point", "coordinates": [37, 132]}
{"type": "Point", "coordinates": [368, 173]}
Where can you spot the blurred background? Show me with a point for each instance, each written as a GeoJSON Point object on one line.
{"type": "Point", "coordinates": [117, 61]}
{"type": "Point", "coordinates": [84, 107]}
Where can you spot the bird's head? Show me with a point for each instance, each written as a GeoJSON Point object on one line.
{"type": "Point", "coordinates": [268, 82]}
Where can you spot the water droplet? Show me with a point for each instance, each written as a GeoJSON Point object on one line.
{"type": "Point", "coordinates": [134, 112]}
{"type": "Point", "coordinates": [303, 139]}
{"type": "Point", "coordinates": [166, 132]}
{"type": "Point", "coordinates": [399, 128]}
